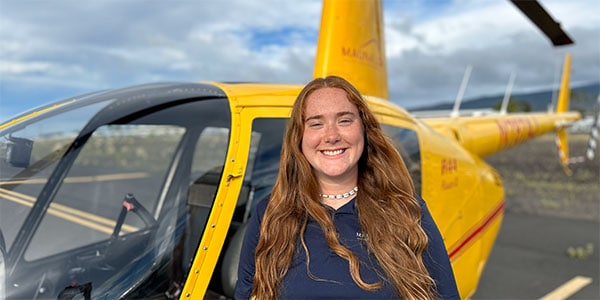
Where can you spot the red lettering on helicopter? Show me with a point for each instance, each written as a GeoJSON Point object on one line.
{"type": "Point", "coordinates": [449, 165]}
{"type": "Point", "coordinates": [448, 184]}
{"type": "Point", "coordinates": [515, 130]}
{"type": "Point", "coordinates": [364, 53]}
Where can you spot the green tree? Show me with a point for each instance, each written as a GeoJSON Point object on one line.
{"type": "Point", "coordinates": [583, 102]}
{"type": "Point", "coordinates": [514, 105]}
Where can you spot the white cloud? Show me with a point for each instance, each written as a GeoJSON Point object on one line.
{"type": "Point", "coordinates": [112, 43]}
{"type": "Point", "coordinates": [427, 59]}
{"type": "Point", "coordinates": [18, 68]}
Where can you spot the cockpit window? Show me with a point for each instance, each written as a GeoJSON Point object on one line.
{"type": "Point", "coordinates": [110, 212]}
{"type": "Point", "coordinates": [115, 160]}
{"type": "Point", "coordinates": [29, 152]}
{"type": "Point", "coordinates": [266, 143]}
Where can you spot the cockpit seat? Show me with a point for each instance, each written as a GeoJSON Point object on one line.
{"type": "Point", "coordinates": [231, 261]}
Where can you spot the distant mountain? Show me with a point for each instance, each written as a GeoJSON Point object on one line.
{"type": "Point", "coordinates": [583, 98]}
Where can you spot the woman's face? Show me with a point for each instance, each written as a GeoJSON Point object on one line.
{"type": "Point", "coordinates": [333, 136]}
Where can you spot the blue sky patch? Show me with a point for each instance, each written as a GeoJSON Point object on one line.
{"type": "Point", "coordinates": [284, 36]}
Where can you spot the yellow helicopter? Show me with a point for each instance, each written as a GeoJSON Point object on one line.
{"type": "Point", "coordinates": [143, 192]}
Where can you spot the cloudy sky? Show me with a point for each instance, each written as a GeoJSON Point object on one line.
{"type": "Point", "coordinates": [51, 50]}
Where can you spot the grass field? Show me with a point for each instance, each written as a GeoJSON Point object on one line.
{"type": "Point", "coordinates": [535, 183]}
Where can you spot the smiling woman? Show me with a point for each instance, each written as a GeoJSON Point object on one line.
{"type": "Point", "coordinates": [373, 239]}
{"type": "Point", "coordinates": [333, 142]}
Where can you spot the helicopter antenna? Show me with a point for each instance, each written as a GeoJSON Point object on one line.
{"type": "Point", "coordinates": [507, 93]}
{"type": "Point", "coordinates": [461, 91]}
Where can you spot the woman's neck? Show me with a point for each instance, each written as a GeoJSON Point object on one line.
{"type": "Point", "coordinates": [338, 200]}
{"type": "Point", "coordinates": [336, 203]}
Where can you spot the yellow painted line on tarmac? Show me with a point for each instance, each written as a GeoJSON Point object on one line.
{"type": "Point", "coordinates": [81, 179]}
{"type": "Point", "coordinates": [76, 216]}
{"type": "Point", "coordinates": [26, 181]}
{"type": "Point", "coordinates": [109, 177]}
{"type": "Point", "coordinates": [6, 194]}
{"type": "Point", "coordinates": [568, 288]}
{"type": "Point", "coordinates": [83, 222]}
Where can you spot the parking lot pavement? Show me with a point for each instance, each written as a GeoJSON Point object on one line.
{"type": "Point", "coordinates": [541, 257]}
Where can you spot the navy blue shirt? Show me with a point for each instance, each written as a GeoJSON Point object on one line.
{"type": "Point", "coordinates": [330, 273]}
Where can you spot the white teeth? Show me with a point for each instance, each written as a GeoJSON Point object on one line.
{"type": "Point", "coordinates": [332, 152]}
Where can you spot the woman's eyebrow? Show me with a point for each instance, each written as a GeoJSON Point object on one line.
{"type": "Point", "coordinates": [345, 113]}
{"type": "Point", "coordinates": [315, 117]}
{"type": "Point", "coordinates": [339, 114]}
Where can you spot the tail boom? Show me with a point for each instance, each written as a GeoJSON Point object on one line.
{"type": "Point", "coordinates": [488, 135]}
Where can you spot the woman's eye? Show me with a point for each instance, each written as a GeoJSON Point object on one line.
{"type": "Point", "coordinates": [345, 121]}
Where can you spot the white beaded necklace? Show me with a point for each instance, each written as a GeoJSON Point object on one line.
{"type": "Point", "coordinates": [341, 196]}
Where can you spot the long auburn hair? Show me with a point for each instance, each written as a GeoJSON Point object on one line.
{"type": "Point", "coordinates": [388, 211]}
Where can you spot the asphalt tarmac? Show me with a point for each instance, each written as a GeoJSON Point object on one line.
{"type": "Point", "coordinates": [543, 257]}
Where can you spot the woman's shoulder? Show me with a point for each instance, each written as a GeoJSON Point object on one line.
{"type": "Point", "coordinates": [261, 206]}
{"type": "Point", "coordinates": [421, 201]}
{"type": "Point", "coordinates": [426, 219]}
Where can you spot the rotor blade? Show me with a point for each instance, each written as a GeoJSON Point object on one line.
{"type": "Point", "coordinates": [542, 19]}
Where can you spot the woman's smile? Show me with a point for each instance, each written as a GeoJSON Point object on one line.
{"type": "Point", "coordinates": [333, 138]}
{"type": "Point", "coordinates": [333, 152]}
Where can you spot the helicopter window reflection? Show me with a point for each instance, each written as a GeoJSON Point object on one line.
{"type": "Point", "coordinates": [266, 162]}
{"type": "Point", "coordinates": [117, 159]}
{"type": "Point", "coordinates": [46, 138]}
{"type": "Point", "coordinates": [407, 143]}
{"type": "Point", "coordinates": [210, 149]}
{"type": "Point", "coordinates": [206, 170]}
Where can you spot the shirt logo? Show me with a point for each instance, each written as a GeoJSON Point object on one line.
{"type": "Point", "coordinates": [362, 236]}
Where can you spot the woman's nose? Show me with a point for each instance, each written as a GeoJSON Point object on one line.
{"type": "Point", "coordinates": [332, 134]}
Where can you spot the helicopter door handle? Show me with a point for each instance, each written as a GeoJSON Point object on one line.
{"type": "Point", "coordinates": [237, 172]}
{"type": "Point", "coordinates": [232, 176]}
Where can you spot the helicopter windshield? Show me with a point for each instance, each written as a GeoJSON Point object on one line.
{"type": "Point", "coordinates": [29, 153]}
{"type": "Point", "coordinates": [104, 209]}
